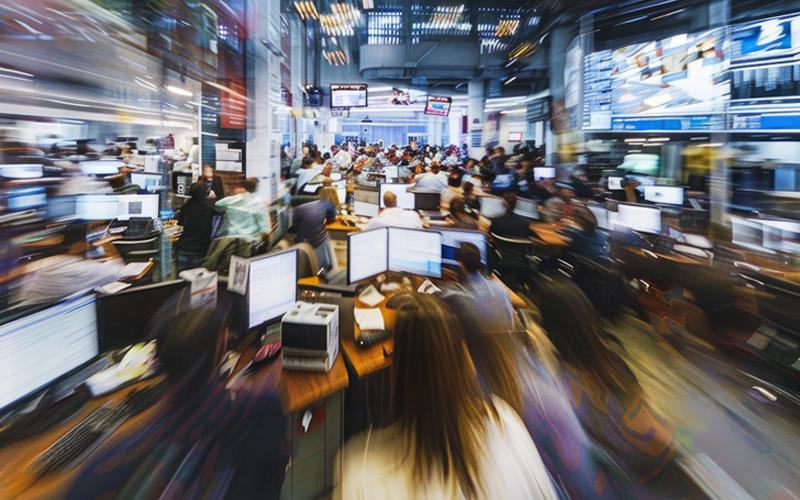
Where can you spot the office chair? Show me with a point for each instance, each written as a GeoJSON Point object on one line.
{"type": "Point", "coordinates": [513, 259]}
{"type": "Point", "coordinates": [141, 249]}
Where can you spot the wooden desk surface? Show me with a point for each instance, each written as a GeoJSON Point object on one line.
{"type": "Point", "coordinates": [548, 236]}
{"type": "Point", "coordinates": [300, 389]}
{"type": "Point", "coordinates": [338, 226]}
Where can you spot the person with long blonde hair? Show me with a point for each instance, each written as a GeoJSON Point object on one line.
{"type": "Point", "coordinates": [444, 437]}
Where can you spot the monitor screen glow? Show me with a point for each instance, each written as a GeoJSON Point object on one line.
{"type": "Point", "coordinates": [367, 254]}
{"type": "Point", "coordinates": [615, 183]}
{"type": "Point", "coordinates": [415, 251]}
{"type": "Point", "coordinates": [138, 205]}
{"type": "Point", "coordinates": [515, 137]}
{"type": "Point", "coordinates": [404, 198]}
{"type": "Point", "coordinates": [40, 348]}
{"type": "Point", "coordinates": [452, 240]}
{"type": "Point", "coordinates": [540, 173]}
{"type": "Point", "coordinates": [527, 208]}
{"type": "Point", "coordinates": [669, 195]}
{"type": "Point", "coordinates": [349, 95]}
{"type": "Point", "coordinates": [97, 206]}
{"type": "Point", "coordinates": [438, 105]}
{"type": "Point", "coordinates": [272, 287]}
{"type": "Point", "coordinates": [492, 207]}
{"type": "Point", "coordinates": [640, 218]}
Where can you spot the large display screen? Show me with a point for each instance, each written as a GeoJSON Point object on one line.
{"type": "Point", "coordinates": [438, 105]}
{"type": "Point", "coordinates": [349, 95]}
{"type": "Point", "coordinates": [679, 83]}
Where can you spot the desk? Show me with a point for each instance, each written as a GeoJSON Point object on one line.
{"type": "Point", "coordinates": [338, 226]}
{"type": "Point", "coordinates": [300, 389]}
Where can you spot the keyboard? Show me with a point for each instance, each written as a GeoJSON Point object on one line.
{"type": "Point", "coordinates": [84, 438]}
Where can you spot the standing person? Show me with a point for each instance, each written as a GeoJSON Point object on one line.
{"type": "Point", "coordinates": [309, 220]}
{"type": "Point", "coordinates": [196, 218]}
{"type": "Point", "coordinates": [511, 225]}
{"type": "Point", "coordinates": [458, 217]}
{"type": "Point", "coordinates": [444, 437]}
{"type": "Point", "coordinates": [472, 200]}
{"type": "Point", "coordinates": [245, 216]}
{"type": "Point", "coordinates": [215, 182]}
{"type": "Point", "coordinates": [307, 172]}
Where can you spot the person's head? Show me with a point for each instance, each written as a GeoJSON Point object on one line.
{"type": "Point", "coordinates": [389, 199]}
{"type": "Point", "coordinates": [500, 151]}
{"type": "Point", "coordinates": [435, 167]}
{"type": "Point", "coordinates": [334, 149]}
{"type": "Point", "coordinates": [469, 257]}
{"type": "Point", "coordinates": [454, 180]}
{"type": "Point", "coordinates": [458, 207]}
{"type": "Point", "coordinates": [198, 191]}
{"type": "Point", "coordinates": [208, 171]}
{"type": "Point", "coordinates": [575, 327]}
{"type": "Point", "coordinates": [326, 156]}
{"type": "Point", "coordinates": [307, 162]}
{"type": "Point", "coordinates": [510, 201]}
{"type": "Point", "coordinates": [190, 341]}
{"type": "Point", "coordinates": [436, 398]}
{"type": "Point", "coordinates": [469, 188]}
{"type": "Point", "coordinates": [469, 164]}
{"type": "Point", "coordinates": [251, 184]}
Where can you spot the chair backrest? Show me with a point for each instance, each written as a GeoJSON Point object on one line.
{"type": "Point", "coordinates": [128, 248]}
{"type": "Point", "coordinates": [307, 265]}
{"type": "Point", "coordinates": [513, 252]}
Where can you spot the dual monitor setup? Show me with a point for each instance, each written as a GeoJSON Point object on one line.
{"type": "Point", "coordinates": [642, 218]}
{"type": "Point", "coordinates": [99, 207]}
{"type": "Point", "coordinates": [416, 251]}
{"type": "Point", "coordinates": [660, 195]}
{"type": "Point", "coordinates": [369, 202]}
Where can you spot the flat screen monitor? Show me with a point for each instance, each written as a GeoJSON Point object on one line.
{"type": "Point", "coordinates": [97, 206]}
{"type": "Point", "coordinates": [349, 95]}
{"type": "Point", "coordinates": [26, 198]}
{"type": "Point", "coordinates": [122, 317]}
{"type": "Point", "coordinates": [515, 137]}
{"type": "Point", "coordinates": [415, 251]}
{"type": "Point", "coordinates": [101, 167]}
{"type": "Point", "coordinates": [427, 200]}
{"type": "Point", "coordinates": [391, 172]}
{"type": "Point", "coordinates": [438, 105]}
{"type": "Point", "coordinates": [540, 173]}
{"type": "Point", "coordinates": [527, 208]}
{"type": "Point", "coordinates": [747, 233]}
{"type": "Point", "coordinates": [452, 240]}
{"type": "Point", "coordinates": [404, 198]}
{"type": "Point", "coordinates": [148, 182]}
{"type": "Point", "coordinates": [366, 202]}
{"type": "Point", "coordinates": [40, 348]}
{"type": "Point", "coordinates": [492, 207]}
{"type": "Point", "coordinates": [601, 214]}
{"type": "Point", "coordinates": [59, 207]}
{"type": "Point", "coordinates": [782, 236]}
{"type": "Point", "coordinates": [668, 195]}
{"type": "Point", "coordinates": [363, 209]}
{"type": "Point", "coordinates": [271, 287]}
{"type": "Point", "coordinates": [639, 218]}
{"type": "Point", "coordinates": [367, 254]}
{"type": "Point", "coordinates": [615, 183]}
{"type": "Point", "coordinates": [138, 205]}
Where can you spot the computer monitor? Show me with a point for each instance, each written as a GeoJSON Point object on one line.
{"type": "Point", "coordinates": [615, 183]}
{"type": "Point", "coordinates": [527, 208]}
{"type": "Point", "coordinates": [404, 198]}
{"type": "Point", "coordinates": [427, 200]}
{"type": "Point", "coordinates": [122, 317]}
{"type": "Point", "coordinates": [366, 202]}
{"type": "Point", "coordinates": [391, 172]}
{"type": "Point", "coordinates": [415, 251]}
{"type": "Point", "coordinates": [643, 180]}
{"type": "Point", "coordinates": [271, 287]}
{"type": "Point", "coordinates": [26, 198]}
{"type": "Point", "coordinates": [782, 235]}
{"type": "Point", "coordinates": [639, 218]}
{"type": "Point", "coordinates": [97, 206]}
{"type": "Point", "coordinates": [452, 240]}
{"type": "Point", "coordinates": [748, 233]}
{"type": "Point", "coordinates": [601, 214]}
{"type": "Point", "coordinates": [40, 348]}
{"type": "Point", "coordinates": [138, 205]}
{"type": "Point", "coordinates": [148, 182]}
{"type": "Point", "coordinates": [668, 195]}
{"type": "Point", "coordinates": [492, 207]}
{"type": "Point", "coordinates": [367, 254]}
{"type": "Point", "coordinates": [540, 173]}
{"type": "Point", "coordinates": [60, 207]}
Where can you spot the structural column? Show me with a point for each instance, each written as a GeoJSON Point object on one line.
{"type": "Point", "coordinates": [475, 114]}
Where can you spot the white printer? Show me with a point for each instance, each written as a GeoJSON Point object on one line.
{"type": "Point", "coordinates": [310, 337]}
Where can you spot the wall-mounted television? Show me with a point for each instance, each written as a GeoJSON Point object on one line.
{"type": "Point", "coordinates": [438, 105]}
{"type": "Point", "coordinates": [345, 96]}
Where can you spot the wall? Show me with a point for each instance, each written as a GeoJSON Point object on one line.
{"type": "Point", "coordinates": [512, 123]}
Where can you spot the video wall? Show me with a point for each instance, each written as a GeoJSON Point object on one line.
{"type": "Point", "coordinates": [678, 83]}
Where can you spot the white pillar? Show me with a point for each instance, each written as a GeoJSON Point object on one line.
{"type": "Point", "coordinates": [476, 107]}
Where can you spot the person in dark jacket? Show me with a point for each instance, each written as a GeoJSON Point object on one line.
{"type": "Point", "coordinates": [196, 218]}
{"type": "Point", "coordinates": [511, 225]}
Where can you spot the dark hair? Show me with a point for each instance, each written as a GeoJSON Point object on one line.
{"type": "Point", "coordinates": [307, 161]}
{"type": "Point", "coordinates": [470, 257]}
{"type": "Point", "coordinates": [511, 201]}
{"type": "Point", "coordinates": [251, 184]}
{"type": "Point", "coordinates": [436, 397]}
{"type": "Point", "coordinates": [198, 191]}
{"type": "Point", "coordinates": [454, 181]}
{"type": "Point", "coordinates": [190, 342]}
{"type": "Point", "coordinates": [574, 326]}
{"type": "Point", "coordinates": [468, 188]}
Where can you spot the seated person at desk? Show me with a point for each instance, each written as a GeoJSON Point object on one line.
{"type": "Point", "coordinates": [435, 180]}
{"type": "Point", "coordinates": [453, 190]}
{"type": "Point", "coordinates": [307, 172]}
{"type": "Point", "coordinates": [450, 440]}
{"type": "Point", "coordinates": [198, 426]}
{"type": "Point", "coordinates": [472, 200]}
{"type": "Point", "coordinates": [196, 218]}
{"type": "Point", "coordinates": [392, 216]}
{"type": "Point", "coordinates": [215, 182]}
{"type": "Point", "coordinates": [245, 216]}
{"type": "Point", "coordinates": [459, 217]}
{"type": "Point", "coordinates": [309, 220]}
{"type": "Point", "coordinates": [511, 225]}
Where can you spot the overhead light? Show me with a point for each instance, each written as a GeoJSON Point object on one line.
{"type": "Point", "coordinates": [510, 80]}
{"type": "Point", "coordinates": [144, 83]}
{"type": "Point", "coordinates": [7, 70]}
{"type": "Point", "coordinates": [518, 111]}
{"type": "Point", "coordinates": [669, 14]}
{"type": "Point", "coordinates": [658, 139]}
{"type": "Point", "coordinates": [179, 91]}
{"type": "Point", "coordinates": [634, 140]}
{"type": "Point", "coordinates": [653, 144]}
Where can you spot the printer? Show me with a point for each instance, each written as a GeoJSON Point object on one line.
{"type": "Point", "coordinates": [310, 337]}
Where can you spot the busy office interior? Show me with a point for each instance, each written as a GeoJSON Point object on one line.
{"type": "Point", "coordinates": [394, 249]}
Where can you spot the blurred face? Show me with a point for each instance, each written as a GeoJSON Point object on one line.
{"type": "Point", "coordinates": [208, 172]}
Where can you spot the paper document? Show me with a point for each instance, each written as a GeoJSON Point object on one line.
{"type": "Point", "coordinates": [114, 287]}
{"type": "Point", "coordinates": [371, 297]}
{"type": "Point", "coordinates": [135, 269]}
{"type": "Point", "coordinates": [369, 319]}
{"type": "Point", "coordinates": [428, 287]}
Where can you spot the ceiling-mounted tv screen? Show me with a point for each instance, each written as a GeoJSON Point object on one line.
{"type": "Point", "coordinates": [438, 105]}
{"type": "Point", "coordinates": [345, 96]}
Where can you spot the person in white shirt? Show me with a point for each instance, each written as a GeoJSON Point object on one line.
{"type": "Point", "coordinates": [435, 180]}
{"type": "Point", "coordinates": [391, 216]}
